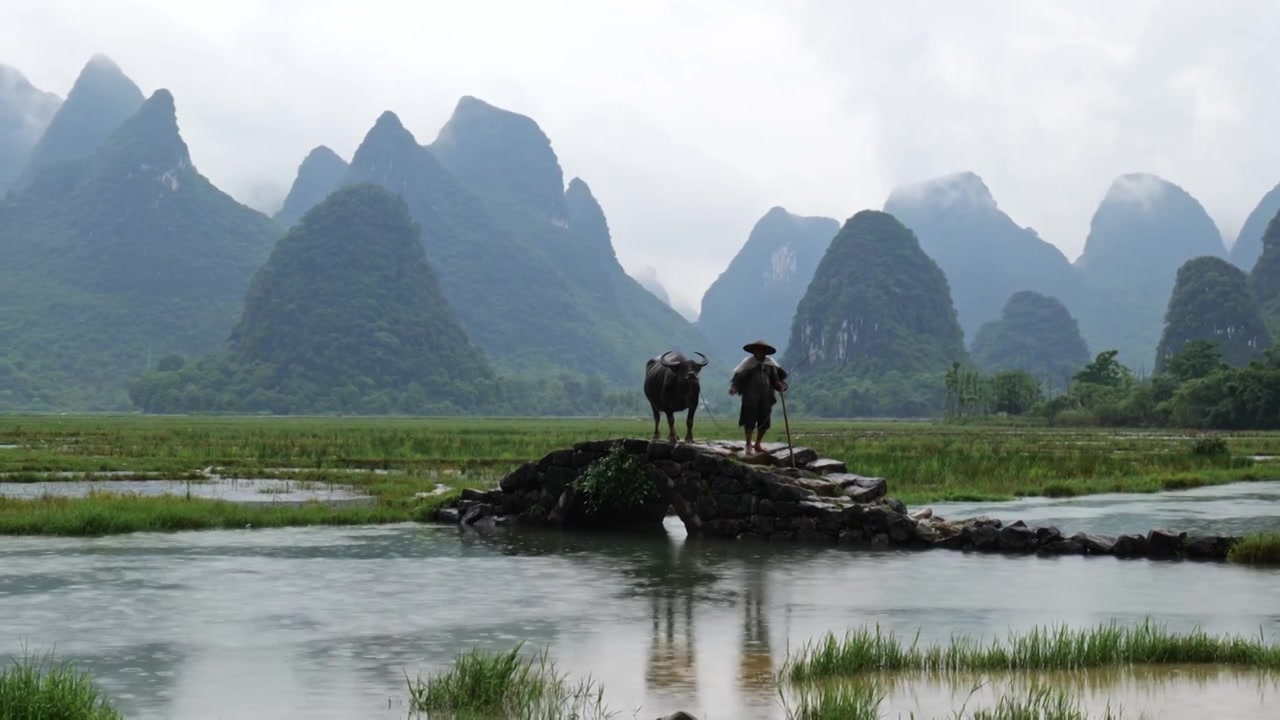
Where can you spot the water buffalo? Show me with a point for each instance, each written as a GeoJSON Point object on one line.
{"type": "Point", "coordinates": [671, 385]}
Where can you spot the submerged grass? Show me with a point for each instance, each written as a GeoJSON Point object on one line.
{"type": "Point", "coordinates": [38, 689]}
{"type": "Point", "coordinates": [867, 650]}
{"type": "Point", "coordinates": [863, 702]}
{"type": "Point", "coordinates": [1258, 549]}
{"type": "Point", "coordinates": [508, 686]}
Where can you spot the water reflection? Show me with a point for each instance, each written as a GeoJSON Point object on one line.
{"type": "Point", "coordinates": [324, 623]}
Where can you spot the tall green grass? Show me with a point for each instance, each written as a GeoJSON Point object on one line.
{"type": "Point", "coordinates": [37, 689]}
{"type": "Point", "coordinates": [507, 686]}
{"type": "Point", "coordinates": [1259, 549]}
{"type": "Point", "coordinates": [866, 650]}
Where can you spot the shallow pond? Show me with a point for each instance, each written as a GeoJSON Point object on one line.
{"type": "Point", "coordinates": [325, 622]}
{"type": "Point", "coordinates": [234, 490]}
{"type": "Point", "coordinates": [1235, 509]}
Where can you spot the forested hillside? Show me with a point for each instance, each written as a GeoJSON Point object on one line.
{"type": "Point", "coordinates": [116, 260]}
{"type": "Point", "coordinates": [1035, 333]}
{"type": "Point", "coordinates": [346, 316]}
{"type": "Point", "coordinates": [876, 329]}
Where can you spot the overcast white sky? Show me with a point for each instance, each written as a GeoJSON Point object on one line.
{"type": "Point", "coordinates": [689, 120]}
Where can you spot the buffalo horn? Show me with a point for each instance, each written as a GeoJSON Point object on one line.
{"type": "Point", "coordinates": [704, 361]}
{"type": "Point", "coordinates": [666, 360]}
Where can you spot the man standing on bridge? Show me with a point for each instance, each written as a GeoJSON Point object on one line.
{"type": "Point", "coordinates": [755, 379]}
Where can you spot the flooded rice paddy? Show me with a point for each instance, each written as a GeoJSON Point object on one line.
{"type": "Point", "coordinates": [326, 622]}
{"type": "Point", "coordinates": [246, 490]}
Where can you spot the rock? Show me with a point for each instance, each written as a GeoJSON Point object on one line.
{"type": "Point", "coordinates": [984, 520]}
{"type": "Point", "coordinates": [815, 508]}
{"type": "Point", "coordinates": [522, 478]}
{"type": "Point", "coordinates": [880, 540]}
{"type": "Point", "coordinates": [984, 537]}
{"type": "Point", "coordinates": [636, 447]}
{"type": "Point", "coordinates": [876, 519]}
{"type": "Point", "coordinates": [786, 492]}
{"type": "Point", "coordinates": [1061, 547]}
{"type": "Point", "coordinates": [924, 514]}
{"type": "Point", "coordinates": [476, 513]}
{"type": "Point", "coordinates": [1096, 544]}
{"type": "Point", "coordinates": [1209, 547]}
{"type": "Point", "coordinates": [473, 495]}
{"type": "Point", "coordinates": [902, 530]}
{"type": "Point", "coordinates": [448, 515]}
{"type": "Point", "coordinates": [895, 505]}
{"type": "Point", "coordinates": [486, 523]}
{"type": "Point", "coordinates": [803, 456]}
{"type": "Point", "coordinates": [681, 715]}
{"type": "Point", "coordinates": [926, 534]}
{"type": "Point", "coordinates": [557, 458]}
{"type": "Point", "coordinates": [1163, 543]}
{"type": "Point", "coordinates": [763, 523]}
{"type": "Point", "coordinates": [1046, 535]}
{"type": "Point", "coordinates": [684, 453]}
{"type": "Point", "coordinates": [821, 488]}
{"type": "Point", "coordinates": [583, 459]}
{"type": "Point", "coordinates": [1016, 539]}
{"type": "Point", "coordinates": [826, 467]}
{"type": "Point", "coordinates": [851, 537]}
{"type": "Point", "coordinates": [1130, 546]}
{"type": "Point", "coordinates": [706, 464]}
{"type": "Point", "coordinates": [595, 446]}
{"type": "Point", "coordinates": [858, 488]}
{"type": "Point", "coordinates": [658, 450]}
{"type": "Point", "coordinates": [722, 485]}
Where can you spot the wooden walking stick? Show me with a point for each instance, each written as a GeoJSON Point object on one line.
{"type": "Point", "coordinates": [787, 423]}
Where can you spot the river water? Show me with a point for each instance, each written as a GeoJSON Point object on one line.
{"type": "Point", "coordinates": [326, 622]}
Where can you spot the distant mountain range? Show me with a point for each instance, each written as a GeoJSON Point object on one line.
{"type": "Point", "coordinates": [121, 258]}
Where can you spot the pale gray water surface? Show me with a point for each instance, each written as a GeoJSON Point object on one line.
{"type": "Point", "coordinates": [230, 489]}
{"type": "Point", "coordinates": [1235, 509]}
{"type": "Point", "coordinates": [325, 622]}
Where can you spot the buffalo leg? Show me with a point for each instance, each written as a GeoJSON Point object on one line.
{"type": "Point", "coordinates": [656, 414]}
{"type": "Point", "coordinates": [671, 428]}
{"type": "Point", "coordinates": [688, 425]}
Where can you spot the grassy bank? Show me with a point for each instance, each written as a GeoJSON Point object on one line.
{"type": "Point", "coordinates": [867, 650]}
{"type": "Point", "coordinates": [394, 459]}
{"type": "Point", "coordinates": [107, 514]}
{"type": "Point", "coordinates": [38, 689]}
{"type": "Point", "coordinates": [1259, 549]}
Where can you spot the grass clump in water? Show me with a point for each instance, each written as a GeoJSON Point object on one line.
{"type": "Point", "coordinates": [836, 702]}
{"type": "Point", "coordinates": [866, 650]}
{"type": "Point", "coordinates": [863, 702]}
{"type": "Point", "coordinates": [506, 686]}
{"type": "Point", "coordinates": [1259, 549]}
{"type": "Point", "coordinates": [37, 689]}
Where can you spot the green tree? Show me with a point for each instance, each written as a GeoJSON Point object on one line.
{"type": "Point", "coordinates": [1105, 371]}
{"type": "Point", "coordinates": [1211, 302]}
{"type": "Point", "coordinates": [1015, 392]}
